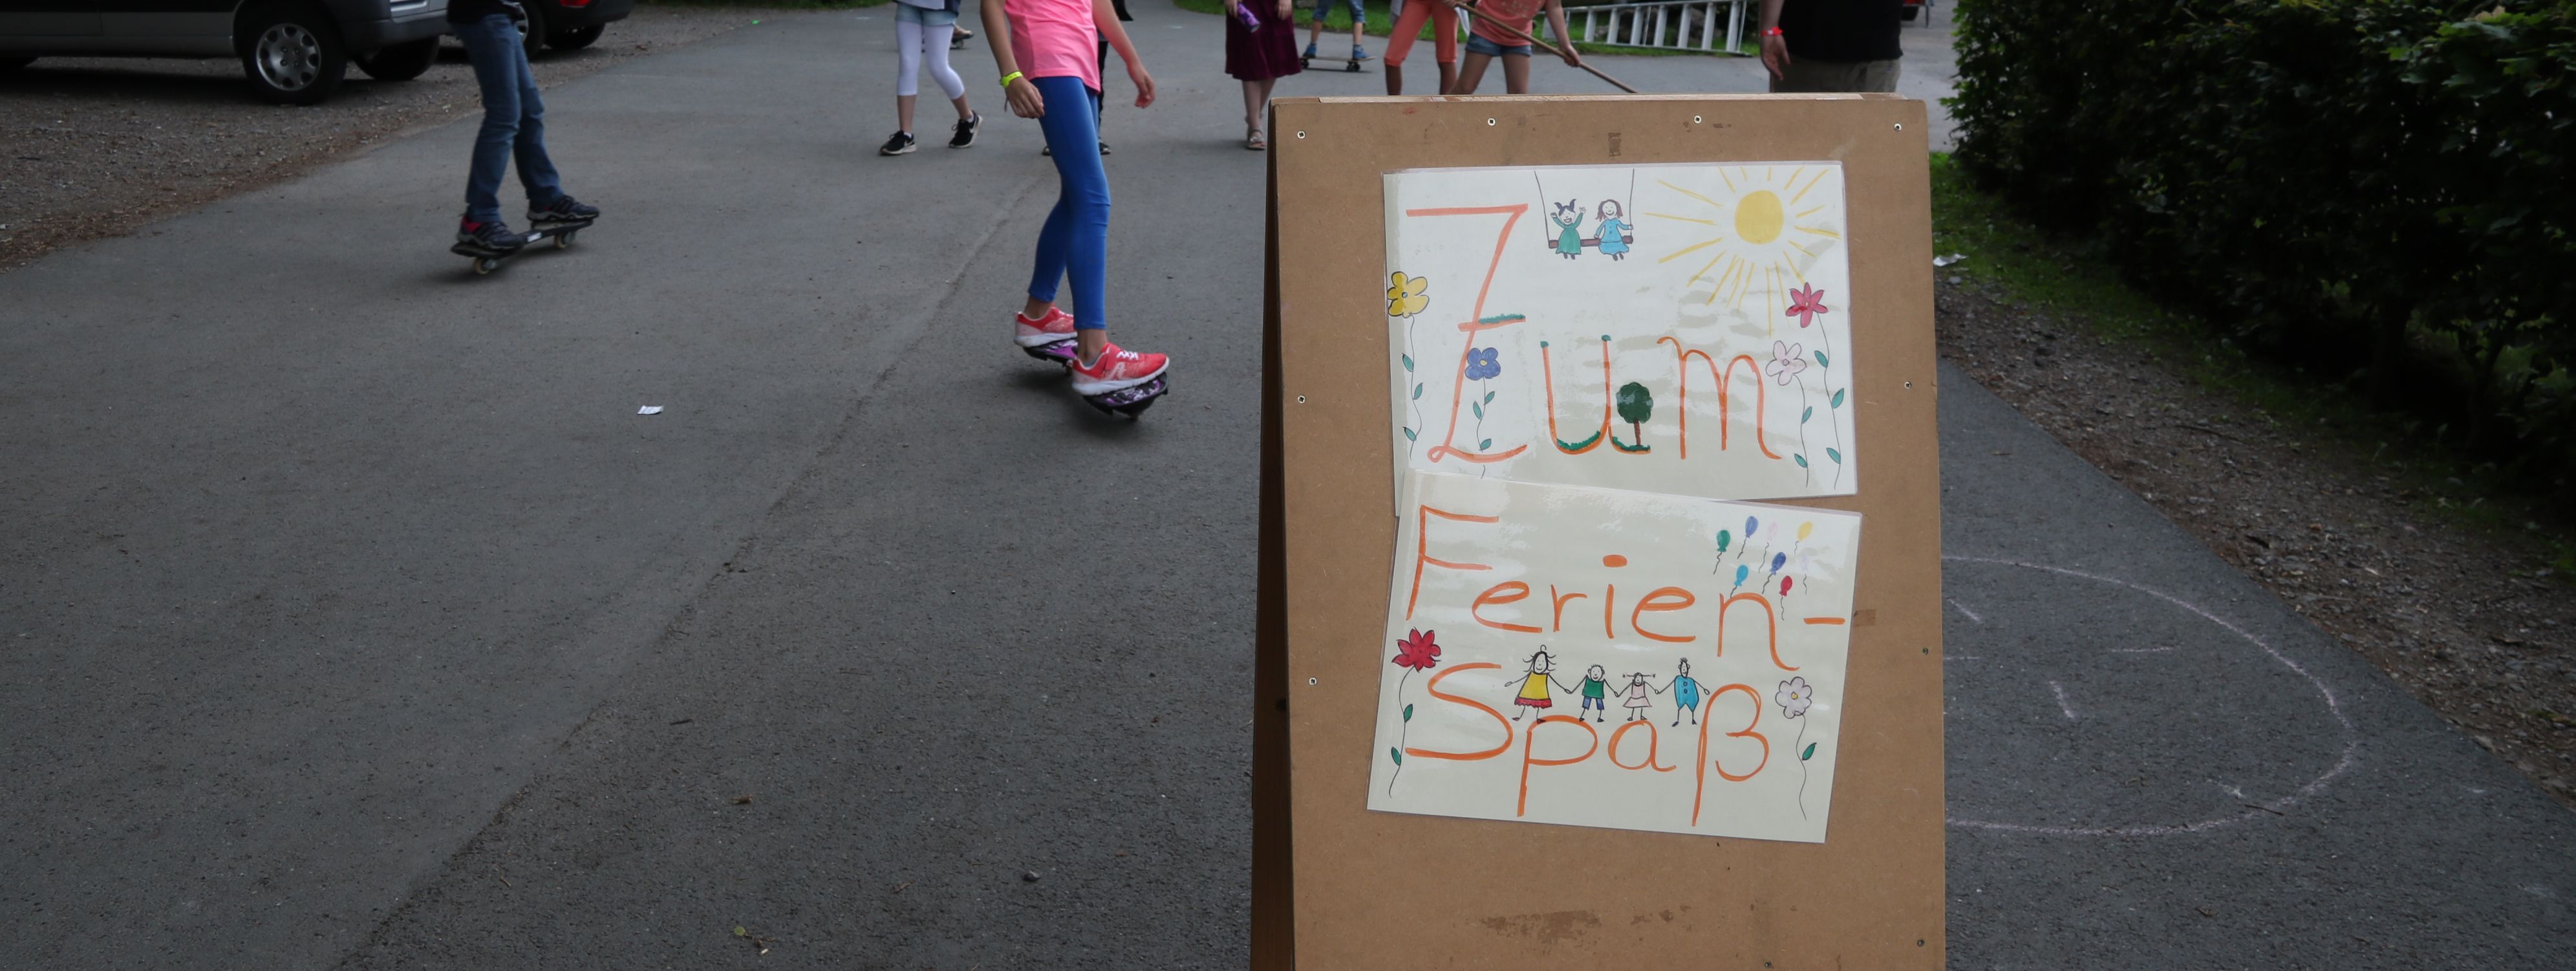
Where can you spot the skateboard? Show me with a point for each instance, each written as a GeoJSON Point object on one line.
{"type": "Point", "coordinates": [1352, 64]}
{"type": "Point", "coordinates": [1130, 402]}
{"type": "Point", "coordinates": [487, 259]}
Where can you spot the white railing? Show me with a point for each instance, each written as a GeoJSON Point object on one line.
{"type": "Point", "coordinates": [1668, 24]}
{"type": "Point", "coordinates": [1678, 25]}
{"type": "Point", "coordinates": [1673, 25]}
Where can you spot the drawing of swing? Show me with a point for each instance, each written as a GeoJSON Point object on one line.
{"type": "Point", "coordinates": [1612, 235]}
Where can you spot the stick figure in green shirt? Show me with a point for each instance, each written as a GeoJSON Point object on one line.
{"type": "Point", "coordinates": [1595, 687]}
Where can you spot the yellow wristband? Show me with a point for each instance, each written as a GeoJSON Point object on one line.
{"type": "Point", "coordinates": [1008, 78]}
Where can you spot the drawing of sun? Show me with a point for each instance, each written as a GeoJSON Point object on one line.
{"type": "Point", "coordinates": [1766, 225]}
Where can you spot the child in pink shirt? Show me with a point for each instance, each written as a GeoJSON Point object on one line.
{"type": "Point", "coordinates": [1051, 72]}
{"type": "Point", "coordinates": [1502, 29]}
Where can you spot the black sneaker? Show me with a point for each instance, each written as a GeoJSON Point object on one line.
{"type": "Point", "coordinates": [1104, 148]}
{"type": "Point", "coordinates": [563, 210]}
{"type": "Point", "coordinates": [492, 235]}
{"type": "Point", "coordinates": [897, 144]}
{"type": "Point", "coordinates": [966, 129]}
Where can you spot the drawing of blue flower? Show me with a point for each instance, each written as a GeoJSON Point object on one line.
{"type": "Point", "coordinates": [1481, 363]}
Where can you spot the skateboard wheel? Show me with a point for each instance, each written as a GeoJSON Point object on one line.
{"type": "Point", "coordinates": [1354, 68]}
{"type": "Point", "coordinates": [563, 241]}
{"type": "Point", "coordinates": [484, 266]}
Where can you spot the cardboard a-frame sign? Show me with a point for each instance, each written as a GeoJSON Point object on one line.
{"type": "Point", "coordinates": [1563, 394]}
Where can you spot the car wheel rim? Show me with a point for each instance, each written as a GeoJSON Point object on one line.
{"type": "Point", "coordinates": [290, 57]}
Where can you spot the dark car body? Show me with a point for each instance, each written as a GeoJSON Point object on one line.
{"type": "Point", "coordinates": [315, 37]}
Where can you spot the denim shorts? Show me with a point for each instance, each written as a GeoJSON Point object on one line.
{"type": "Point", "coordinates": [1479, 44]}
{"type": "Point", "coordinates": [1323, 7]}
{"type": "Point", "coordinates": [905, 13]}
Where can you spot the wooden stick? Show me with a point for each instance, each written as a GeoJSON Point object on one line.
{"type": "Point", "coordinates": [1470, 7]}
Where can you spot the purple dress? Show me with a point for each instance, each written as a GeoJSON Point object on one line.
{"type": "Point", "coordinates": [1254, 55]}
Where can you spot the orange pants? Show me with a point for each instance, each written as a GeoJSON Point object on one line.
{"type": "Point", "coordinates": [1444, 31]}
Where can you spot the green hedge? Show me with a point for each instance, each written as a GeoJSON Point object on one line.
{"type": "Point", "coordinates": [2377, 188]}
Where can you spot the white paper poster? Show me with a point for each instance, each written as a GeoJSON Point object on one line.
{"type": "Point", "coordinates": [1679, 329]}
{"type": "Point", "coordinates": [1598, 657]}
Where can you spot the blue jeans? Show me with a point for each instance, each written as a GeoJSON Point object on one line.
{"type": "Point", "coordinates": [1075, 241]}
{"type": "Point", "coordinates": [1323, 7]}
{"type": "Point", "coordinates": [905, 13]}
{"type": "Point", "coordinates": [1480, 44]}
{"type": "Point", "coordinates": [514, 124]}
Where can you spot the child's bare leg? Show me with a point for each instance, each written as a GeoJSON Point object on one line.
{"type": "Point", "coordinates": [1516, 73]}
{"type": "Point", "coordinates": [1394, 79]}
{"type": "Point", "coordinates": [1448, 75]}
{"type": "Point", "coordinates": [1469, 74]}
{"type": "Point", "coordinates": [1254, 94]}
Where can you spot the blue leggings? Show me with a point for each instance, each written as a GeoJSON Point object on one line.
{"type": "Point", "coordinates": [1076, 237]}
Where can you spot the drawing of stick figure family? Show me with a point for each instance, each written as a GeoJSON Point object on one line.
{"type": "Point", "coordinates": [1610, 234]}
{"type": "Point", "coordinates": [1596, 691]}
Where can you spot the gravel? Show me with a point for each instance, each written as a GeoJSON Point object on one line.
{"type": "Point", "coordinates": [2470, 623]}
{"type": "Point", "coordinates": [95, 147]}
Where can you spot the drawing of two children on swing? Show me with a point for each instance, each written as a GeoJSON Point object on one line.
{"type": "Point", "coordinates": [1610, 234]}
{"type": "Point", "coordinates": [1595, 688]}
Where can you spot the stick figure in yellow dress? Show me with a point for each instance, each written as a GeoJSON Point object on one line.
{"type": "Point", "coordinates": [1534, 686]}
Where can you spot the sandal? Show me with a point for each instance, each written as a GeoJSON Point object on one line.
{"type": "Point", "coordinates": [1255, 141]}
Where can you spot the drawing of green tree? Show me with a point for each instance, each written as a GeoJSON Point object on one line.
{"type": "Point", "coordinates": [1635, 407]}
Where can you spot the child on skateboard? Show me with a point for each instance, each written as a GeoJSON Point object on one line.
{"type": "Point", "coordinates": [513, 128]}
{"type": "Point", "coordinates": [1502, 29]}
{"type": "Point", "coordinates": [1044, 51]}
{"type": "Point", "coordinates": [1315, 34]}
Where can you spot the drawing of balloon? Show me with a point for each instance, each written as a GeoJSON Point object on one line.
{"type": "Point", "coordinates": [1784, 586]}
{"type": "Point", "coordinates": [1740, 572]}
{"type": "Point", "coordinates": [1805, 530]}
{"type": "Point", "coordinates": [1722, 538]}
{"type": "Point", "coordinates": [1777, 559]}
{"type": "Point", "coordinates": [1751, 524]}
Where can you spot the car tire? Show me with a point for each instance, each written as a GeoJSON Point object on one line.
{"type": "Point", "coordinates": [578, 38]}
{"type": "Point", "coordinates": [8, 64]}
{"type": "Point", "coordinates": [293, 54]}
{"type": "Point", "coordinates": [401, 62]}
{"type": "Point", "coordinates": [532, 28]}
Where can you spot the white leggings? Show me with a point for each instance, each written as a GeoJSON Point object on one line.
{"type": "Point", "coordinates": [911, 41]}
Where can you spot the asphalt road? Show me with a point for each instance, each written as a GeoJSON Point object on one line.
{"type": "Point", "coordinates": [355, 619]}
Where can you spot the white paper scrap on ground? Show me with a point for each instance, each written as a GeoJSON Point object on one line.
{"type": "Point", "coordinates": [649, 410]}
{"type": "Point", "coordinates": [1680, 329]}
{"type": "Point", "coordinates": [1594, 657]}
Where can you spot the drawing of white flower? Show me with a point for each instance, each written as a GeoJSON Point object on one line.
{"type": "Point", "coordinates": [1794, 696]}
{"type": "Point", "coordinates": [1787, 361]}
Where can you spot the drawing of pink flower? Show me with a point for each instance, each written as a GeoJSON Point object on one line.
{"type": "Point", "coordinates": [1805, 303]}
{"type": "Point", "coordinates": [1787, 361]}
{"type": "Point", "coordinates": [1794, 696]}
{"type": "Point", "coordinates": [1417, 651]}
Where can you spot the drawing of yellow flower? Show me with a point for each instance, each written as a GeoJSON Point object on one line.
{"type": "Point", "coordinates": [1406, 295]}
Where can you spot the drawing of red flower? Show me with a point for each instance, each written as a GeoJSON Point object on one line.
{"type": "Point", "coordinates": [1805, 303]}
{"type": "Point", "coordinates": [1417, 651]}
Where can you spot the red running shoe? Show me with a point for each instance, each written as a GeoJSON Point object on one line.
{"type": "Point", "coordinates": [1116, 369]}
